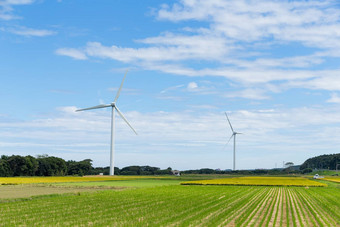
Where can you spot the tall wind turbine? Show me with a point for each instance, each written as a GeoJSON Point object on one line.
{"type": "Point", "coordinates": [233, 135]}
{"type": "Point", "coordinates": [114, 108]}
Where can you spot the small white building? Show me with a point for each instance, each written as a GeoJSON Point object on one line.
{"type": "Point", "coordinates": [176, 172]}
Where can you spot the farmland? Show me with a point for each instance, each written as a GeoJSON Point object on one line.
{"type": "Point", "coordinates": [30, 180]}
{"type": "Point", "coordinates": [260, 181]}
{"type": "Point", "coordinates": [169, 203]}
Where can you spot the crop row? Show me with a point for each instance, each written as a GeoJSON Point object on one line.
{"type": "Point", "coordinates": [181, 205]}
{"type": "Point", "coordinates": [264, 181]}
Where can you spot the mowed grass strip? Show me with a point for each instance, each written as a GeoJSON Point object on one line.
{"type": "Point", "coordinates": [260, 181]}
{"type": "Point", "coordinates": [33, 180]}
{"type": "Point", "coordinates": [179, 206]}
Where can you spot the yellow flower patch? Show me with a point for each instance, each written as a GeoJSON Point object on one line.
{"type": "Point", "coordinates": [264, 181]}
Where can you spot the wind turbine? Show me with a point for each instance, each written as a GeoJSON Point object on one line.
{"type": "Point", "coordinates": [114, 108]}
{"type": "Point", "coordinates": [233, 135]}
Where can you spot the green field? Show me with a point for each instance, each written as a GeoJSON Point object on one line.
{"type": "Point", "coordinates": [155, 202]}
{"type": "Point", "coordinates": [138, 183]}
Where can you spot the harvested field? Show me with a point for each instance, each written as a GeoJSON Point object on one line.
{"type": "Point", "coordinates": [24, 191]}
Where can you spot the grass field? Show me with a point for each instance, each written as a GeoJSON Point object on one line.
{"type": "Point", "coordinates": [154, 204]}
{"type": "Point", "coordinates": [137, 183]}
{"type": "Point", "coordinates": [260, 181]}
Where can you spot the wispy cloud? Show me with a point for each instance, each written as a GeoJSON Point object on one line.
{"type": "Point", "coordinates": [73, 53]}
{"type": "Point", "coordinates": [88, 133]}
{"type": "Point", "coordinates": [334, 98]}
{"type": "Point", "coordinates": [6, 8]}
{"type": "Point", "coordinates": [238, 37]}
{"type": "Point", "coordinates": [24, 31]}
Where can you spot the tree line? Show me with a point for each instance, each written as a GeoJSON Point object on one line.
{"type": "Point", "coordinates": [44, 165]}
{"type": "Point", "coordinates": [330, 162]}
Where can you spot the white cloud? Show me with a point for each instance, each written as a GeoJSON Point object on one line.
{"type": "Point", "coordinates": [192, 86]}
{"type": "Point", "coordinates": [191, 134]}
{"type": "Point", "coordinates": [6, 8]}
{"type": "Point", "coordinates": [18, 2]}
{"type": "Point", "coordinates": [257, 94]}
{"type": "Point", "coordinates": [73, 53]}
{"type": "Point", "coordinates": [306, 22]}
{"type": "Point", "coordinates": [31, 32]}
{"type": "Point", "coordinates": [237, 40]}
{"type": "Point", "coordinates": [334, 98]}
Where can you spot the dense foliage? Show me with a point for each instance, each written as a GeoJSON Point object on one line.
{"type": "Point", "coordinates": [322, 162]}
{"type": "Point", "coordinates": [44, 165]}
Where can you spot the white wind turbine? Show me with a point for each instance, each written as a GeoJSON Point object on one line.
{"type": "Point", "coordinates": [114, 107]}
{"type": "Point", "coordinates": [233, 135]}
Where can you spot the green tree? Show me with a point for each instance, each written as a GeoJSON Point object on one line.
{"type": "Point", "coordinates": [51, 166]}
{"type": "Point", "coordinates": [5, 170]}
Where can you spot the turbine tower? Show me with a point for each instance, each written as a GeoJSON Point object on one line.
{"type": "Point", "coordinates": [233, 135]}
{"type": "Point", "coordinates": [114, 108]}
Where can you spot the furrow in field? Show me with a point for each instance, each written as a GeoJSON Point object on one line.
{"type": "Point", "coordinates": [313, 213]}
{"type": "Point", "coordinates": [294, 210]}
{"type": "Point", "coordinates": [266, 212]}
{"type": "Point", "coordinates": [283, 218]}
{"type": "Point", "coordinates": [226, 206]}
{"type": "Point", "coordinates": [189, 207]}
{"type": "Point", "coordinates": [228, 210]}
{"type": "Point", "coordinates": [290, 212]}
{"type": "Point", "coordinates": [328, 203]}
{"type": "Point", "coordinates": [319, 214]}
{"type": "Point", "coordinates": [250, 211]}
{"type": "Point", "coordinates": [307, 214]}
{"type": "Point", "coordinates": [302, 214]}
{"type": "Point", "coordinates": [237, 213]}
{"type": "Point", "coordinates": [199, 213]}
{"type": "Point", "coordinates": [272, 213]}
{"type": "Point", "coordinates": [277, 209]}
{"type": "Point", "coordinates": [154, 210]}
{"type": "Point", "coordinates": [257, 213]}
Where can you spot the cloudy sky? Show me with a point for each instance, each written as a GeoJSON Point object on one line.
{"type": "Point", "coordinates": [273, 66]}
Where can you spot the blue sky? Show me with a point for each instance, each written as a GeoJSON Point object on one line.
{"type": "Point", "coordinates": [273, 66]}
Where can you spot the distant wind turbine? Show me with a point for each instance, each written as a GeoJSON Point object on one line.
{"type": "Point", "coordinates": [233, 135]}
{"type": "Point", "coordinates": [114, 107]}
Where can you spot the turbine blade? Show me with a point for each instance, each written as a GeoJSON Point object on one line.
{"type": "Point", "coordinates": [229, 122]}
{"type": "Point", "coordinates": [94, 107]}
{"type": "Point", "coordinates": [120, 88]}
{"type": "Point", "coordinates": [228, 141]}
{"type": "Point", "coordinates": [122, 116]}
